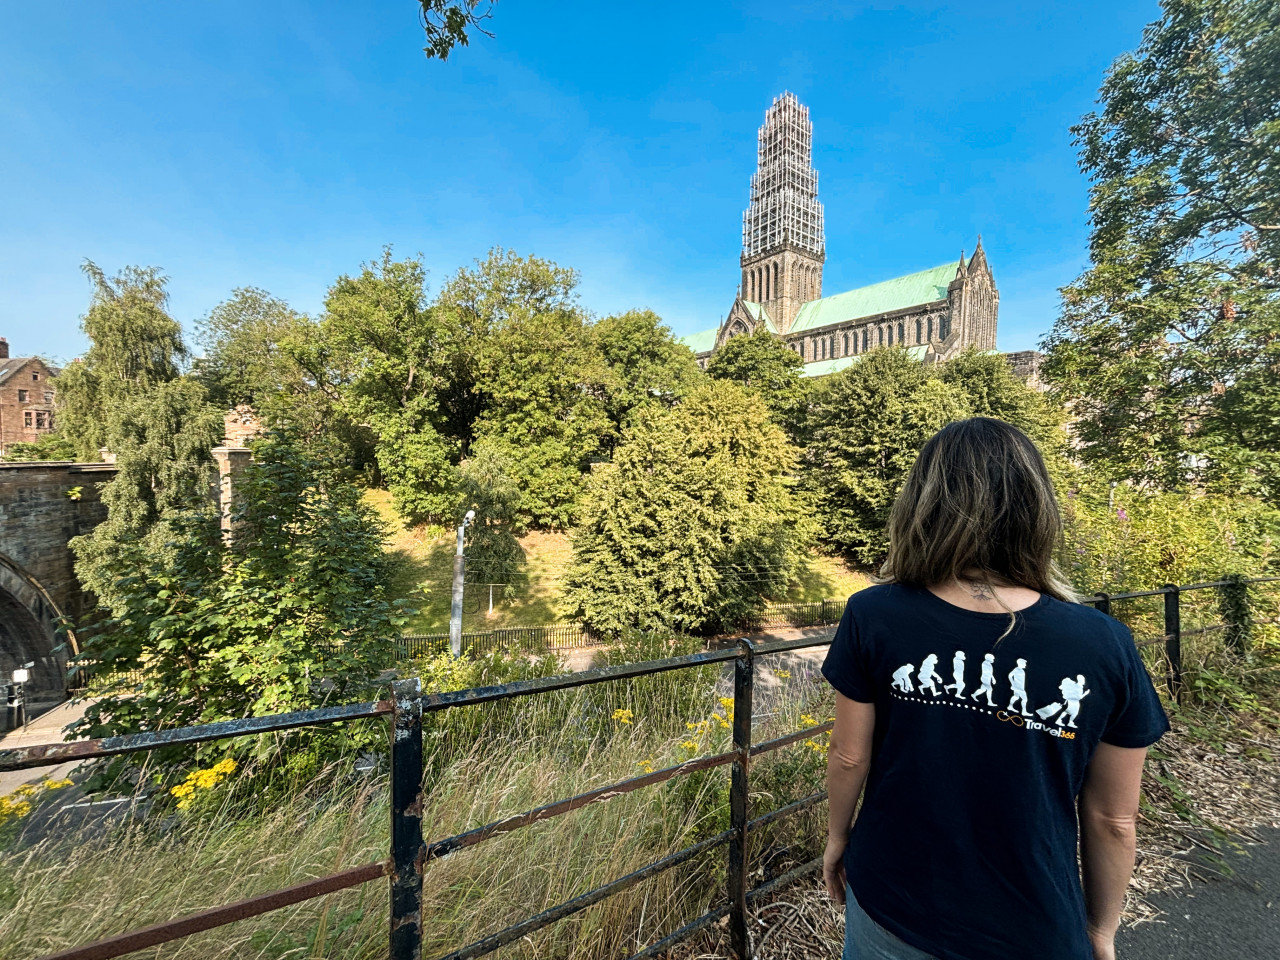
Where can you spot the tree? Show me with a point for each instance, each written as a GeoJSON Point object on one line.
{"type": "Point", "coordinates": [694, 524]}
{"type": "Point", "coordinates": [485, 485]}
{"type": "Point", "coordinates": [769, 368]}
{"type": "Point", "coordinates": [446, 23]}
{"type": "Point", "coordinates": [248, 342]}
{"type": "Point", "coordinates": [292, 616]}
{"type": "Point", "coordinates": [386, 346]}
{"type": "Point", "coordinates": [868, 423]}
{"type": "Point", "coordinates": [162, 440]}
{"type": "Point", "coordinates": [134, 346]}
{"type": "Point", "coordinates": [546, 391]}
{"type": "Point", "coordinates": [1168, 347]}
{"type": "Point", "coordinates": [991, 389]}
{"type": "Point", "coordinates": [476, 304]}
{"type": "Point", "coordinates": [647, 363]}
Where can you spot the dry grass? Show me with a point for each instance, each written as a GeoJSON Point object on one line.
{"type": "Point", "coordinates": [484, 763]}
{"type": "Point", "coordinates": [424, 569]}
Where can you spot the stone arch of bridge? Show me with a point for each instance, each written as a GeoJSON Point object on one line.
{"type": "Point", "coordinates": [30, 632]}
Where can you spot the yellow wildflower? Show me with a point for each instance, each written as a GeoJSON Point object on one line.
{"type": "Point", "coordinates": [645, 766]}
{"type": "Point", "coordinates": [623, 716]}
{"type": "Point", "coordinates": [202, 780]}
{"type": "Point", "coordinates": [784, 674]}
{"type": "Point", "coordinates": [56, 784]}
{"type": "Point", "coordinates": [689, 745]}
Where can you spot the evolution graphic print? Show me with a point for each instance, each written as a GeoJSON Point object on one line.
{"type": "Point", "coordinates": [1063, 713]}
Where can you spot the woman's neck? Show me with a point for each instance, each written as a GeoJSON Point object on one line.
{"type": "Point", "coordinates": [973, 590]}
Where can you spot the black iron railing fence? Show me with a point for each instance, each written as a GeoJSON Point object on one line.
{"type": "Point", "coordinates": [409, 852]}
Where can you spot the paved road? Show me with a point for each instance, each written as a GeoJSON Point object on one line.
{"type": "Point", "coordinates": [1219, 919]}
{"type": "Point", "coordinates": [46, 728]}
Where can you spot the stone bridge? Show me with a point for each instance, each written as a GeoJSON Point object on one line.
{"type": "Point", "coordinates": [42, 506]}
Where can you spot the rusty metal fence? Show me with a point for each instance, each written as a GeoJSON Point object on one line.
{"type": "Point", "coordinates": [410, 852]}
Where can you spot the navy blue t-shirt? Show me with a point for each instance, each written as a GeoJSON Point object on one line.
{"type": "Point", "coordinates": [965, 845]}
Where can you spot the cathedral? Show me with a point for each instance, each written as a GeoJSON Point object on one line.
{"type": "Point", "coordinates": [935, 313]}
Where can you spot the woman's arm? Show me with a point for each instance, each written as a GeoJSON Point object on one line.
{"type": "Point", "coordinates": [1109, 838]}
{"type": "Point", "coordinates": [848, 759]}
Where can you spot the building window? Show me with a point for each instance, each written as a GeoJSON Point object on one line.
{"type": "Point", "coordinates": [26, 419]}
{"type": "Point", "coordinates": [42, 420]}
{"type": "Point", "coordinates": [891, 334]}
{"type": "Point", "coordinates": [864, 339]}
{"type": "Point", "coordinates": [902, 336]}
{"type": "Point", "coordinates": [931, 328]}
{"type": "Point", "coordinates": [824, 348]}
{"type": "Point", "coordinates": [35, 375]}
{"type": "Point", "coordinates": [919, 330]}
{"type": "Point", "coordinates": [846, 344]}
{"type": "Point", "coordinates": [48, 397]}
{"type": "Point", "coordinates": [23, 396]}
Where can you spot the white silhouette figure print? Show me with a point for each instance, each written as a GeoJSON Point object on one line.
{"type": "Point", "coordinates": [1073, 691]}
{"type": "Point", "coordinates": [988, 679]}
{"type": "Point", "coordinates": [1018, 681]}
{"type": "Point", "coordinates": [957, 674]}
{"type": "Point", "coordinates": [902, 678]}
{"type": "Point", "coordinates": [927, 677]}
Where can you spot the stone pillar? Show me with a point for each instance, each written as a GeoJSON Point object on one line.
{"type": "Point", "coordinates": [232, 462]}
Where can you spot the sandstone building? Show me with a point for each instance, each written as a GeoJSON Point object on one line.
{"type": "Point", "coordinates": [936, 312]}
{"type": "Point", "coordinates": [26, 398]}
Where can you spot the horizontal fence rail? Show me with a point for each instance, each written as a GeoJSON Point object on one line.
{"type": "Point", "coordinates": [410, 852]}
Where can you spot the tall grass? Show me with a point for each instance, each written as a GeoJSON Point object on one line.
{"type": "Point", "coordinates": [483, 763]}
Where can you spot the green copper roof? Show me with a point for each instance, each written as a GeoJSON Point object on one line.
{"type": "Point", "coordinates": [820, 368]}
{"type": "Point", "coordinates": [910, 291]}
{"type": "Point", "coordinates": [701, 342]}
{"type": "Point", "coordinates": [757, 311]}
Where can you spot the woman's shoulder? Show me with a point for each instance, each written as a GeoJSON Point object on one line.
{"type": "Point", "coordinates": [1084, 624]}
{"type": "Point", "coordinates": [880, 596]}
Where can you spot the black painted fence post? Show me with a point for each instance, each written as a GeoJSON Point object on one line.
{"type": "Point", "coordinates": [406, 822]}
{"type": "Point", "coordinates": [743, 682]}
{"type": "Point", "coordinates": [1103, 603]}
{"type": "Point", "coordinates": [1173, 637]}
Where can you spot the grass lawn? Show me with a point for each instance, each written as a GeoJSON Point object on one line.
{"type": "Point", "coordinates": [424, 572]}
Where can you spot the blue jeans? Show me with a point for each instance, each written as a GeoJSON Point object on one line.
{"type": "Point", "coordinates": [864, 939]}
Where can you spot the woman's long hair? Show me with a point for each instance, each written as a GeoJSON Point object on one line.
{"type": "Point", "coordinates": [978, 499]}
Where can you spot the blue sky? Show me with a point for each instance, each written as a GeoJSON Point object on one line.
{"type": "Point", "coordinates": [281, 144]}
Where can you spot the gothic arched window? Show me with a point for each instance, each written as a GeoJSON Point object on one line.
{"type": "Point", "coordinates": [891, 334]}
{"type": "Point", "coordinates": [902, 338]}
{"type": "Point", "coordinates": [880, 336]}
{"type": "Point", "coordinates": [846, 344]}
{"type": "Point", "coordinates": [864, 339]}
{"type": "Point", "coordinates": [919, 328]}
{"type": "Point", "coordinates": [931, 328]}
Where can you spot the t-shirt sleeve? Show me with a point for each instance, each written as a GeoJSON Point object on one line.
{"type": "Point", "coordinates": [1138, 718]}
{"type": "Point", "coordinates": [846, 666]}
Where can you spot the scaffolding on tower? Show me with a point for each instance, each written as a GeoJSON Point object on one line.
{"type": "Point", "coordinates": [784, 190]}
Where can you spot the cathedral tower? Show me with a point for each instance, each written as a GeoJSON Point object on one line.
{"type": "Point", "coordinates": [783, 242]}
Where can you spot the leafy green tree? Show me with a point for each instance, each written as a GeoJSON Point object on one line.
{"type": "Point", "coordinates": [248, 343]}
{"type": "Point", "coordinates": [162, 440]}
{"type": "Point", "coordinates": [546, 389]}
{"type": "Point", "coordinates": [447, 23]}
{"type": "Point", "coordinates": [48, 446]}
{"type": "Point", "coordinates": [385, 345]}
{"type": "Point", "coordinates": [485, 485]}
{"type": "Point", "coordinates": [694, 523]}
{"type": "Point", "coordinates": [293, 616]}
{"type": "Point", "coordinates": [647, 363]}
{"type": "Point", "coordinates": [868, 423]}
{"type": "Point", "coordinates": [765, 365]}
{"type": "Point", "coordinates": [992, 389]}
{"type": "Point", "coordinates": [134, 346]}
{"type": "Point", "coordinates": [1167, 348]}
{"type": "Point", "coordinates": [479, 302]}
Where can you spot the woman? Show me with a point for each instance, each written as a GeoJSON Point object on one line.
{"type": "Point", "coordinates": [965, 844]}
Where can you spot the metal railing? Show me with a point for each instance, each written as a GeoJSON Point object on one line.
{"type": "Point", "coordinates": [410, 853]}
{"type": "Point", "coordinates": [1173, 634]}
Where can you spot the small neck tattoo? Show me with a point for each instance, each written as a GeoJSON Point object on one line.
{"type": "Point", "coordinates": [980, 591]}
